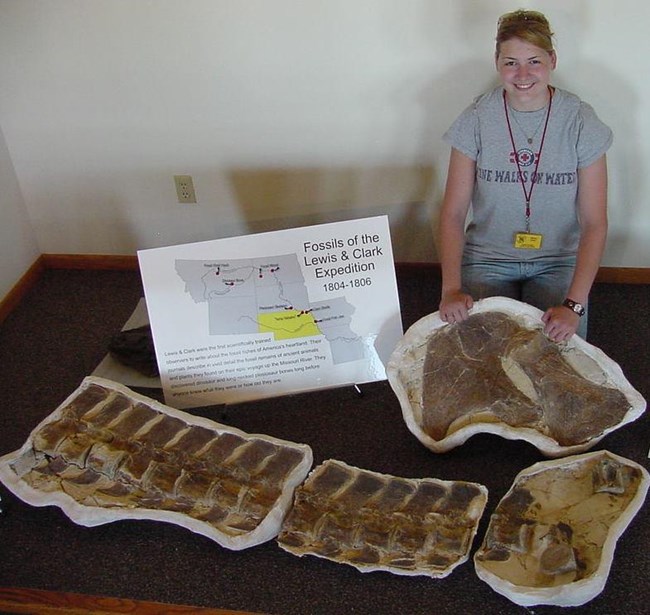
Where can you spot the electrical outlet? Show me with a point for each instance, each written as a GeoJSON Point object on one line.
{"type": "Point", "coordinates": [185, 189]}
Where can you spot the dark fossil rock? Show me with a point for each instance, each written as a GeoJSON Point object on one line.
{"type": "Point", "coordinates": [134, 348]}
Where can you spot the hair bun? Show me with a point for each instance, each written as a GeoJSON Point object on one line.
{"type": "Point", "coordinates": [530, 26]}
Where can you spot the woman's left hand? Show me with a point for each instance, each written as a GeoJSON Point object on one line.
{"type": "Point", "coordinates": [561, 323]}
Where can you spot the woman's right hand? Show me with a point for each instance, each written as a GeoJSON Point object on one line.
{"type": "Point", "coordinates": [455, 306]}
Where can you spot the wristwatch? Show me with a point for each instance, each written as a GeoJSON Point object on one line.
{"type": "Point", "coordinates": [576, 307]}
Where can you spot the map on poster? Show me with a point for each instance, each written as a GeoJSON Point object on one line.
{"type": "Point", "coordinates": [274, 313]}
{"type": "Point", "coordinates": [262, 296]}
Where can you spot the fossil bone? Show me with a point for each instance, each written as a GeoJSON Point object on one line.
{"type": "Point", "coordinates": [496, 372]}
{"type": "Point", "coordinates": [552, 537]}
{"type": "Point", "coordinates": [376, 521]}
{"type": "Point", "coordinates": [108, 453]}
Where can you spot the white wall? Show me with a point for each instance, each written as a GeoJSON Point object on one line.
{"type": "Point", "coordinates": [285, 112]}
{"type": "Point", "coordinates": [18, 248]}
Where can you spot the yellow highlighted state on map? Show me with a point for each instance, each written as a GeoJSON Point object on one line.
{"type": "Point", "coordinates": [288, 324]}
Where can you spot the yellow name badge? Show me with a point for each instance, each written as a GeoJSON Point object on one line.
{"type": "Point", "coordinates": [528, 241]}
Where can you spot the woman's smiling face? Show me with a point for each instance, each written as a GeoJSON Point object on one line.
{"type": "Point", "coordinates": [525, 72]}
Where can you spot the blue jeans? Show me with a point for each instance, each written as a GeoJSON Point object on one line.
{"type": "Point", "coordinates": [541, 283]}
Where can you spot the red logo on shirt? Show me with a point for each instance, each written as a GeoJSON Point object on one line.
{"type": "Point", "coordinates": [525, 156]}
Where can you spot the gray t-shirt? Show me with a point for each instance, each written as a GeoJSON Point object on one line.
{"type": "Point", "coordinates": [575, 138]}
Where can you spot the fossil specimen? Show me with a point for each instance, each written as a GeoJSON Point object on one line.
{"type": "Point", "coordinates": [379, 522]}
{"type": "Point", "coordinates": [551, 539]}
{"type": "Point", "coordinates": [108, 453]}
{"type": "Point", "coordinates": [497, 372]}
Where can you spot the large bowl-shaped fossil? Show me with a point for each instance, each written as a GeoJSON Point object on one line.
{"type": "Point", "coordinates": [551, 539]}
{"type": "Point", "coordinates": [497, 372]}
{"type": "Point", "coordinates": [107, 453]}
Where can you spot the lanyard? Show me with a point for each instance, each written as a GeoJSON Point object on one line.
{"type": "Point", "coordinates": [527, 193]}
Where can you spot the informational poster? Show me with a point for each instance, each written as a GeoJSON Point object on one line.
{"type": "Point", "coordinates": [270, 314]}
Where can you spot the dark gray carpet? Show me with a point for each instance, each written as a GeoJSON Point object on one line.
{"type": "Point", "coordinates": [60, 333]}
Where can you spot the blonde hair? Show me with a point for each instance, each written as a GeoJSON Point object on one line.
{"type": "Point", "coordinates": [529, 26]}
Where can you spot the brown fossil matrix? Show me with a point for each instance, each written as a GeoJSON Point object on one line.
{"type": "Point", "coordinates": [376, 521]}
{"type": "Point", "coordinates": [490, 369]}
{"type": "Point", "coordinates": [552, 537]}
{"type": "Point", "coordinates": [107, 453]}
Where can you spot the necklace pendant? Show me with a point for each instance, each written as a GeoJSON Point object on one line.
{"type": "Point", "coordinates": [530, 141]}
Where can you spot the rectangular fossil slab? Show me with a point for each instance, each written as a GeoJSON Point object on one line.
{"type": "Point", "coordinates": [107, 453]}
{"type": "Point", "coordinates": [376, 521]}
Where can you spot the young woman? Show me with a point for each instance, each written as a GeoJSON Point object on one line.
{"type": "Point", "coordinates": [529, 159]}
